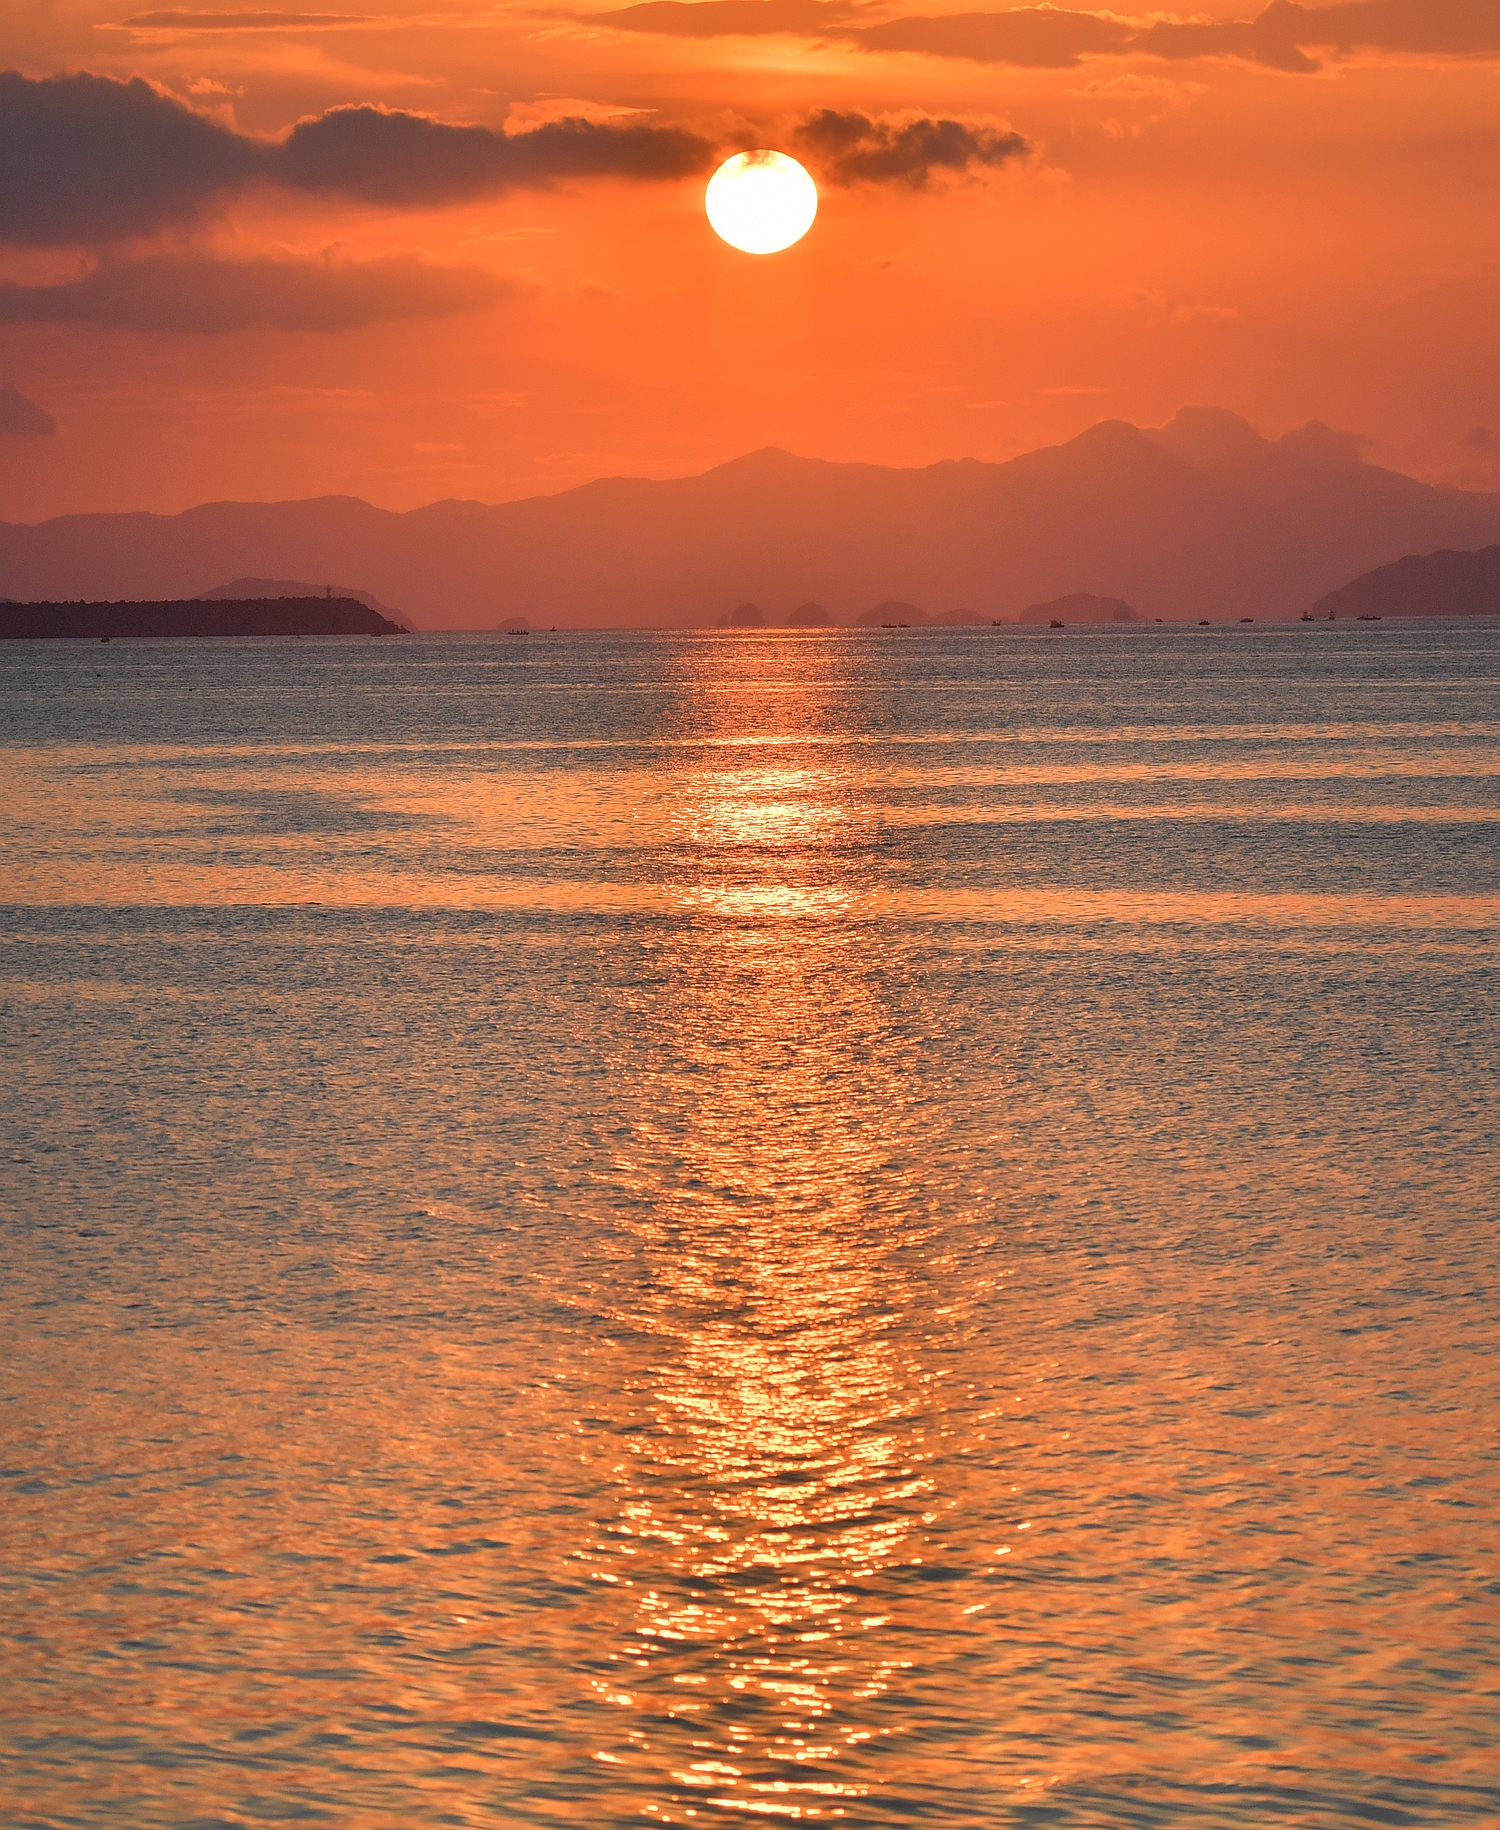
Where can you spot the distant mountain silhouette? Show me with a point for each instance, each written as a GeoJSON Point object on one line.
{"type": "Point", "coordinates": [239, 589]}
{"type": "Point", "coordinates": [1080, 607]}
{"type": "Point", "coordinates": [809, 616]}
{"type": "Point", "coordinates": [1432, 584]}
{"type": "Point", "coordinates": [1200, 518]}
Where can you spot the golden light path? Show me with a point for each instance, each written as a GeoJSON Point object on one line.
{"type": "Point", "coordinates": [761, 202]}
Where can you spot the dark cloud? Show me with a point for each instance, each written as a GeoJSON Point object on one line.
{"type": "Point", "coordinates": [385, 157]}
{"type": "Point", "coordinates": [166, 293]}
{"type": "Point", "coordinates": [23, 418]}
{"type": "Point", "coordinates": [88, 159]}
{"type": "Point", "coordinates": [854, 149]}
{"type": "Point", "coordinates": [83, 158]}
{"type": "Point", "coordinates": [1282, 37]}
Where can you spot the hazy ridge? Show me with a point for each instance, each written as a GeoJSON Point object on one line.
{"type": "Point", "coordinates": [1200, 518]}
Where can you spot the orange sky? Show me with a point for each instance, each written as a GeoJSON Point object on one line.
{"type": "Point", "coordinates": [1311, 243]}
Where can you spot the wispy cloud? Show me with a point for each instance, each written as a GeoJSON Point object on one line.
{"type": "Point", "coordinates": [729, 18]}
{"type": "Point", "coordinates": [213, 297]}
{"type": "Point", "coordinates": [186, 19]}
{"type": "Point", "coordinates": [1030, 38]}
{"type": "Point", "coordinates": [1282, 37]}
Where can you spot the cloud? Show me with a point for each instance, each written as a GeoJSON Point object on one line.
{"type": "Point", "coordinates": [727, 18]}
{"type": "Point", "coordinates": [183, 19]}
{"type": "Point", "coordinates": [1423, 28]}
{"type": "Point", "coordinates": [1280, 37]}
{"type": "Point", "coordinates": [83, 158]}
{"type": "Point", "coordinates": [23, 418]}
{"type": "Point", "coordinates": [1275, 39]}
{"type": "Point", "coordinates": [167, 293]}
{"type": "Point", "coordinates": [1320, 444]}
{"type": "Point", "coordinates": [1031, 38]}
{"type": "Point", "coordinates": [87, 159]}
{"type": "Point", "coordinates": [1133, 87]}
{"type": "Point", "coordinates": [855, 149]}
{"type": "Point", "coordinates": [381, 156]}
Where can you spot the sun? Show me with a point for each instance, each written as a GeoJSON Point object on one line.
{"type": "Point", "coordinates": [761, 202]}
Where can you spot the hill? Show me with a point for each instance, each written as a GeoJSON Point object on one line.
{"type": "Point", "coordinates": [1200, 518]}
{"type": "Point", "coordinates": [1430, 584]}
{"type": "Point", "coordinates": [239, 589]}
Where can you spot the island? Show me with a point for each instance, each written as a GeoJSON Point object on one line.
{"type": "Point", "coordinates": [1446, 583]}
{"type": "Point", "coordinates": [283, 616]}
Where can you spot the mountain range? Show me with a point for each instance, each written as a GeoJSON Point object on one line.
{"type": "Point", "coordinates": [1203, 517]}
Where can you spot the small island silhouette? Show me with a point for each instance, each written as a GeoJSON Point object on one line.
{"type": "Point", "coordinates": [283, 616]}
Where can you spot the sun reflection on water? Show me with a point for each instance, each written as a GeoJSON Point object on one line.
{"type": "Point", "coordinates": [778, 1476]}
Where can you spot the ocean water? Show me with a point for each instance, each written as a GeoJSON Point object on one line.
{"type": "Point", "coordinates": [864, 1228]}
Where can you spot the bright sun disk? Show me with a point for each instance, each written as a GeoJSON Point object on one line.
{"type": "Point", "coordinates": [761, 202]}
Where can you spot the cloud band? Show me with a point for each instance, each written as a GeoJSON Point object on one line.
{"type": "Point", "coordinates": [213, 297]}
{"type": "Point", "coordinates": [87, 159]}
{"type": "Point", "coordinates": [1282, 37]}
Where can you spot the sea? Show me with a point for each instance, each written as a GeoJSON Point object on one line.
{"type": "Point", "coordinates": [865, 1227]}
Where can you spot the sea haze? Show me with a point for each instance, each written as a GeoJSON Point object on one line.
{"type": "Point", "coordinates": [880, 1228]}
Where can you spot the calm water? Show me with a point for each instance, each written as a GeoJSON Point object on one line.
{"type": "Point", "coordinates": [893, 1229]}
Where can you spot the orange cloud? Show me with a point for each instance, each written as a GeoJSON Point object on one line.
{"type": "Point", "coordinates": [1279, 38]}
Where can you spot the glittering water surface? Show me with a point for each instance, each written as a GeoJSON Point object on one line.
{"type": "Point", "coordinates": [894, 1229]}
